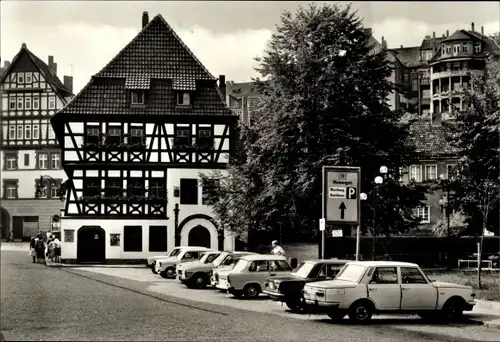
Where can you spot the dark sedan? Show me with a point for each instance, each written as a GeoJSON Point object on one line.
{"type": "Point", "coordinates": [288, 289]}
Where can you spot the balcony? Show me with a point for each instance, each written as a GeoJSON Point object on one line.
{"type": "Point", "coordinates": [451, 73]}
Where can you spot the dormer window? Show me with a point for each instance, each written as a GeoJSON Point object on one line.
{"type": "Point", "coordinates": [182, 137]}
{"type": "Point", "coordinates": [20, 78]}
{"type": "Point", "coordinates": [477, 47]}
{"type": "Point", "coordinates": [137, 97]}
{"type": "Point", "coordinates": [183, 99]}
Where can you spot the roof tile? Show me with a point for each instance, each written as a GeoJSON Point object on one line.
{"type": "Point", "coordinates": [138, 82]}
{"type": "Point", "coordinates": [431, 140]}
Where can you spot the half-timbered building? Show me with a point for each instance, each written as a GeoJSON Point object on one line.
{"type": "Point", "coordinates": [31, 93]}
{"type": "Point", "coordinates": [134, 142]}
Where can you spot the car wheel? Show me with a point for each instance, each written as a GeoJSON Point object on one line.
{"type": "Point", "coordinates": [252, 290]}
{"type": "Point", "coordinates": [294, 305]}
{"type": "Point", "coordinates": [169, 273]}
{"type": "Point", "coordinates": [336, 314]}
{"type": "Point", "coordinates": [361, 311]}
{"type": "Point", "coordinates": [200, 281]}
{"type": "Point", "coordinates": [452, 310]}
{"type": "Point", "coordinates": [153, 268]}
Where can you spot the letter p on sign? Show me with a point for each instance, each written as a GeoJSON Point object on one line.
{"type": "Point", "coordinates": [351, 193]}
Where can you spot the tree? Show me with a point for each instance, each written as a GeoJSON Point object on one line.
{"type": "Point", "coordinates": [476, 134]}
{"type": "Point", "coordinates": [458, 225]}
{"type": "Point", "coordinates": [324, 102]}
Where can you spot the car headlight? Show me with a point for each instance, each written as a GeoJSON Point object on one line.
{"type": "Point", "coordinates": [320, 293]}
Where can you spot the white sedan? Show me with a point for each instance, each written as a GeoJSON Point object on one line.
{"type": "Point", "coordinates": [363, 288]}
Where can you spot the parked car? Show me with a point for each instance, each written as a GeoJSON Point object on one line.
{"type": "Point", "coordinates": [151, 261]}
{"type": "Point", "coordinates": [166, 266]}
{"type": "Point", "coordinates": [249, 274]}
{"type": "Point", "coordinates": [194, 273]}
{"type": "Point", "coordinates": [363, 288]}
{"type": "Point", "coordinates": [288, 289]}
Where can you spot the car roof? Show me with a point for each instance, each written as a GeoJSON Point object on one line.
{"type": "Point", "coordinates": [328, 261]}
{"type": "Point", "coordinates": [383, 263]}
{"type": "Point", "coordinates": [253, 257]}
{"type": "Point", "coordinates": [194, 248]}
{"type": "Point", "coordinates": [242, 253]}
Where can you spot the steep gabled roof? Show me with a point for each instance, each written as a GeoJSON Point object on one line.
{"type": "Point", "coordinates": [43, 68]}
{"type": "Point", "coordinates": [156, 60]}
{"type": "Point", "coordinates": [157, 52]}
{"type": "Point", "coordinates": [409, 56]}
{"type": "Point", "coordinates": [427, 44]}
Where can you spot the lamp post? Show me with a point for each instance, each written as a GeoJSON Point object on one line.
{"type": "Point", "coordinates": [362, 197]}
{"type": "Point", "coordinates": [40, 186]}
{"type": "Point", "coordinates": [378, 180]}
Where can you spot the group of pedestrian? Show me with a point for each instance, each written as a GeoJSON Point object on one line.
{"type": "Point", "coordinates": [39, 250]}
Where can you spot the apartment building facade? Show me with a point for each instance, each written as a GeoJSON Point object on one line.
{"type": "Point", "coordinates": [31, 93]}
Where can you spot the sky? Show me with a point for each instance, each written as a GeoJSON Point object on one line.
{"type": "Point", "coordinates": [83, 36]}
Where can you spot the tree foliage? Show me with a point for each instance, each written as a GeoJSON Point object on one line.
{"type": "Point", "coordinates": [476, 134]}
{"type": "Point", "coordinates": [458, 225]}
{"type": "Point", "coordinates": [324, 103]}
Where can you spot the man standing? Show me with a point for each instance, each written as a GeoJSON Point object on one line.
{"type": "Point", "coordinates": [277, 249]}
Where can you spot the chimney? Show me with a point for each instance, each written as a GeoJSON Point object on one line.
{"type": "Point", "coordinates": [434, 48]}
{"type": "Point", "coordinates": [436, 118]}
{"type": "Point", "coordinates": [472, 27]}
{"type": "Point", "coordinates": [434, 35]}
{"type": "Point", "coordinates": [447, 33]}
{"type": "Point", "coordinates": [401, 46]}
{"type": "Point", "coordinates": [6, 64]}
{"type": "Point", "coordinates": [384, 43]}
{"type": "Point", "coordinates": [482, 30]}
{"type": "Point", "coordinates": [145, 18]}
{"type": "Point", "coordinates": [222, 87]}
{"type": "Point", "coordinates": [68, 83]}
{"type": "Point", "coordinates": [52, 65]}
{"type": "Point", "coordinates": [443, 36]}
{"type": "Point", "coordinates": [367, 31]}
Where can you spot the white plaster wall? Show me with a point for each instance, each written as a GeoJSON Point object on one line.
{"type": "Point", "coordinates": [26, 174]}
{"type": "Point", "coordinates": [69, 249]}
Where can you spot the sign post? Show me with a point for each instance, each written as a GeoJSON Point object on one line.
{"type": "Point", "coordinates": [340, 200]}
{"type": "Point", "coordinates": [322, 226]}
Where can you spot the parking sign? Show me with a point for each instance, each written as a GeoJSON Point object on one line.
{"type": "Point", "coordinates": [341, 194]}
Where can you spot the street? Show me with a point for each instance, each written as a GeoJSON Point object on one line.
{"type": "Point", "coordinates": [43, 303]}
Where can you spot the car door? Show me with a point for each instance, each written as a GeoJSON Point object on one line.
{"type": "Point", "coordinates": [384, 288]}
{"type": "Point", "coordinates": [259, 271]}
{"type": "Point", "coordinates": [417, 292]}
{"type": "Point", "coordinates": [190, 256]}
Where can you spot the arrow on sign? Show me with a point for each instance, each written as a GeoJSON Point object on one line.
{"type": "Point", "coordinates": [342, 208]}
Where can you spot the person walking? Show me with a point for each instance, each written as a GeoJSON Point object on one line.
{"type": "Point", "coordinates": [40, 249]}
{"type": "Point", "coordinates": [33, 249]}
{"type": "Point", "coordinates": [57, 250]}
{"type": "Point", "coordinates": [277, 249]}
{"type": "Point", "coordinates": [50, 248]}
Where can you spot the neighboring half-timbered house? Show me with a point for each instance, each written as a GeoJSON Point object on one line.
{"type": "Point", "coordinates": [134, 142]}
{"type": "Point", "coordinates": [31, 93]}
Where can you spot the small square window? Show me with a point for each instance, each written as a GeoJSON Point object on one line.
{"type": "Point", "coordinates": [29, 78]}
{"type": "Point", "coordinates": [20, 78]}
{"type": "Point", "coordinates": [183, 99]}
{"type": "Point", "coordinates": [137, 97]}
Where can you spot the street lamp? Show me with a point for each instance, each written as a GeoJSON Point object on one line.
{"type": "Point", "coordinates": [378, 180]}
{"type": "Point", "coordinates": [362, 197]}
{"type": "Point", "coordinates": [40, 186]}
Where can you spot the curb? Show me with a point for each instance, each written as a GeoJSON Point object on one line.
{"type": "Point", "coordinates": [488, 305]}
{"type": "Point", "coordinates": [95, 266]}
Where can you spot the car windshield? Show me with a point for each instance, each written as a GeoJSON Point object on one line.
{"type": "Point", "coordinates": [218, 261]}
{"type": "Point", "coordinates": [240, 265]}
{"type": "Point", "coordinates": [174, 252]}
{"type": "Point", "coordinates": [351, 273]}
{"type": "Point", "coordinates": [303, 269]}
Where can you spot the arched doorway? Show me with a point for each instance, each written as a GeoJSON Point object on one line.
{"type": "Point", "coordinates": [4, 223]}
{"type": "Point", "coordinates": [199, 236]}
{"type": "Point", "coordinates": [91, 244]}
